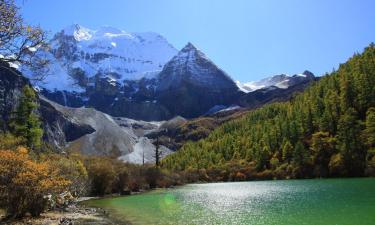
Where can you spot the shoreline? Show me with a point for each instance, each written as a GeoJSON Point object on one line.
{"type": "Point", "coordinates": [76, 214]}
{"type": "Point", "coordinates": [80, 213]}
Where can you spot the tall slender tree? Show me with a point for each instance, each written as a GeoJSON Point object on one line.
{"type": "Point", "coordinates": [26, 123]}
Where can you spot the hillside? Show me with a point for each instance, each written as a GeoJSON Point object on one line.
{"type": "Point", "coordinates": [328, 130]}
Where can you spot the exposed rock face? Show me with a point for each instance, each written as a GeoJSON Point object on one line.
{"type": "Point", "coordinates": [108, 137]}
{"type": "Point", "coordinates": [58, 130]}
{"type": "Point", "coordinates": [177, 132]}
{"type": "Point", "coordinates": [190, 84]}
{"type": "Point", "coordinates": [109, 69]}
{"type": "Point", "coordinates": [11, 84]}
{"type": "Point", "coordinates": [112, 136]}
{"type": "Point", "coordinates": [141, 76]}
{"type": "Point", "coordinates": [85, 129]}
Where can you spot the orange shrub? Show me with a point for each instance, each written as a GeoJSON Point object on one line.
{"type": "Point", "coordinates": [25, 183]}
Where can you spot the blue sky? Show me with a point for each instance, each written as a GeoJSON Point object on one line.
{"type": "Point", "coordinates": [249, 39]}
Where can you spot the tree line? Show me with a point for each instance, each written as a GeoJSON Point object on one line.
{"type": "Point", "coordinates": [326, 131]}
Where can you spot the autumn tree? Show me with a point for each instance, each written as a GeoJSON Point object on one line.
{"type": "Point", "coordinates": [24, 183]}
{"type": "Point", "coordinates": [102, 175]}
{"type": "Point", "coordinates": [71, 168]}
{"type": "Point", "coordinates": [9, 141]}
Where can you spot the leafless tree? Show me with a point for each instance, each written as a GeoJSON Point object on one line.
{"type": "Point", "coordinates": [158, 152]}
{"type": "Point", "coordinates": [21, 43]}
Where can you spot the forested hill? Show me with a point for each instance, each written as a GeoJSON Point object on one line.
{"type": "Point", "coordinates": [328, 130]}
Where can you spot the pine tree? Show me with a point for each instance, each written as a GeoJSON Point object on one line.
{"type": "Point", "coordinates": [322, 148]}
{"type": "Point", "coordinates": [300, 154]}
{"type": "Point", "coordinates": [330, 122]}
{"type": "Point", "coordinates": [346, 88]}
{"type": "Point", "coordinates": [350, 146]}
{"type": "Point", "coordinates": [370, 128]}
{"type": "Point", "coordinates": [287, 150]}
{"type": "Point", "coordinates": [309, 122]}
{"type": "Point", "coordinates": [26, 123]}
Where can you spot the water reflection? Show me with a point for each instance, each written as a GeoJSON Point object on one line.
{"type": "Point", "coordinates": [311, 202]}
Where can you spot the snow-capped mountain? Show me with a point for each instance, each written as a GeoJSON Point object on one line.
{"type": "Point", "coordinates": [141, 76]}
{"type": "Point", "coordinates": [190, 84]}
{"type": "Point", "coordinates": [282, 81]}
{"type": "Point", "coordinates": [79, 54]}
{"type": "Point", "coordinates": [193, 66]}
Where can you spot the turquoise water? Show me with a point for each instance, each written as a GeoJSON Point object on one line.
{"type": "Point", "coordinates": [326, 201]}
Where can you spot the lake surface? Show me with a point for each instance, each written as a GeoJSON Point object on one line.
{"type": "Point", "coordinates": [325, 201]}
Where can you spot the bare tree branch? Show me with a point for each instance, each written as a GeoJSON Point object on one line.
{"type": "Point", "coordinates": [20, 43]}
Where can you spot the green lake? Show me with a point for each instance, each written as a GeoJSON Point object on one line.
{"type": "Point", "coordinates": [299, 202]}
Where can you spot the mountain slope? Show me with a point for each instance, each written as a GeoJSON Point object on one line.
{"type": "Point", "coordinates": [190, 84]}
{"type": "Point", "coordinates": [79, 54]}
{"type": "Point", "coordinates": [116, 137]}
{"type": "Point", "coordinates": [132, 74]}
{"type": "Point", "coordinates": [325, 131]}
{"type": "Point", "coordinates": [58, 130]}
{"type": "Point", "coordinates": [198, 128]}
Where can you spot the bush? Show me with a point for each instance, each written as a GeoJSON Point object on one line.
{"type": "Point", "coordinates": [9, 141]}
{"type": "Point", "coordinates": [24, 183]}
{"type": "Point", "coordinates": [336, 165]}
{"type": "Point", "coordinates": [102, 175]}
{"type": "Point", "coordinates": [152, 175]}
{"type": "Point", "coordinates": [72, 169]}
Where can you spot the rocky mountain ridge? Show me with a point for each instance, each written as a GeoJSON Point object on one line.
{"type": "Point", "coordinates": [132, 74]}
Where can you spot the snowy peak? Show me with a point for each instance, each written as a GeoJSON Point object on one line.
{"type": "Point", "coordinates": [191, 53]}
{"type": "Point", "coordinates": [188, 48]}
{"type": "Point", "coordinates": [308, 74]}
{"type": "Point", "coordinates": [81, 33]}
{"type": "Point", "coordinates": [282, 81]}
{"type": "Point", "coordinates": [78, 55]}
{"type": "Point", "coordinates": [193, 66]}
{"type": "Point", "coordinates": [78, 32]}
{"type": "Point", "coordinates": [190, 84]}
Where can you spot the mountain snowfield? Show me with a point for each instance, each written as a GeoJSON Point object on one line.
{"type": "Point", "coordinates": [118, 83]}
{"type": "Point", "coordinates": [282, 81]}
{"type": "Point", "coordinates": [77, 54]}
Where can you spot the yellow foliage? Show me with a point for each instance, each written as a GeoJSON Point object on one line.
{"type": "Point", "coordinates": [8, 141]}
{"type": "Point", "coordinates": [71, 168]}
{"type": "Point", "coordinates": [22, 150]}
{"type": "Point", "coordinates": [24, 183]}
